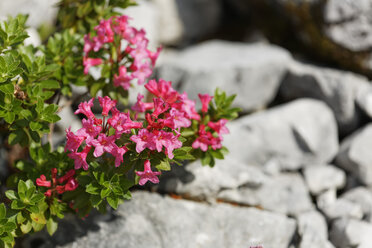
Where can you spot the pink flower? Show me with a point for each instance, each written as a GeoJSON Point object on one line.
{"type": "Point", "coordinates": [219, 126]}
{"type": "Point", "coordinates": [122, 123]}
{"type": "Point", "coordinates": [205, 99]}
{"type": "Point", "coordinates": [84, 108]}
{"type": "Point", "coordinates": [88, 44]}
{"type": "Point", "coordinates": [80, 158]}
{"type": "Point", "coordinates": [103, 144]}
{"type": "Point", "coordinates": [187, 106]}
{"type": "Point", "coordinates": [141, 72]}
{"type": "Point", "coordinates": [118, 153]}
{"type": "Point", "coordinates": [107, 104]}
{"type": "Point", "coordinates": [159, 107]}
{"type": "Point", "coordinates": [172, 143]}
{"type": "Point", "coordinates": [73, 141]}
{"type": "Point", "coordinates": [89, 62]}
{"type": "Point", "coordinates": [123, 79]}
{"type": "Point", "coordinates": [176, 119]}
{"type": "Point", "coordinates": [71, 185]}
{"type": "Point", "coordinates": [104, 31]}
{"type": "Point", "coordinates": [154, 55]}
{"type": "Point", "coordinates": [162, 89]}
{"type": "Point", "coordinates": [147, 174]}
{"type": "Point", "coordinates": [42, 182]}
{"type": "Point", "coordinates": [69, 174]}
{"type": "Point", "coordinates": [89, 130]}
{"type": "Point", "coordinates": [140, 106]}
{"type": "Point", "coordinates": [143, 140]}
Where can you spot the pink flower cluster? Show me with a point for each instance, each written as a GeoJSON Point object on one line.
{"type": "Point", "coordinates": [56, 184]}
{"type": "Point", "coordinates": [210, 135]}
{"type": "Point", "coordinates": [95, 133]}
{"type": "Point", "coordinates": [135, 61]}
{"type": "Point", "coordinates": [170, 111]}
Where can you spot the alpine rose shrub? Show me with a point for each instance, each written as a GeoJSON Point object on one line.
{"type": "Point", "coordinates": [121, 146]}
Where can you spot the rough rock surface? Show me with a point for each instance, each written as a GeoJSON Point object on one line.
{"type": "Point", "coordinates": [252, 70]}
{"type": "Point", "coordinates": [363, 197]}
{"type": "Point", "coordinates": [355, 155]}
{"type": "Point", "coordinates": [150, 220]}
{"type": "Point", "coordinates": [350, 23]}
{"type": "Point", "coordinates": [285, 193]}
{"type": "Point", "coordinates": [338, 89]}
{"type": "Point", "coordinates": [347, 233]}
{"type": "Point", "coordinates": [322, 178]}
{"type": "Point", "coordinates": [202, 182]}
{"type": "Point", "coordinates": [313, 230]}
{"type": "Point", "coordinates": [303, 131]}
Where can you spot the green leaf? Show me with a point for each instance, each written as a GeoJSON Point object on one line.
{"type": "Point", "coordinates": [50, 84]}
{"type": "Point", "coordinates": [217, 154]}
{"type": "Point", "coordinates": [35, 126]}
{"type": "Point", "coordinates": [38, 218]}
{"type": "Point", "coordinates": [26, 227]}
{"type": "Point", "coordinates": [105, 192]}
{"type": "Point", "coordinates": [92, 189]}
{"type": "Point", "coordinates": [11, 194]}
{"type": "Point", "coordinates": [36, 198]}
{"type": "Point", "coordinates": [163, 165]}
{"type": "Point", "coordinates": [7, 88]}
{"type": "Point", "coordinates": [113, 201]}
{"type": "Point", "coordinates": [17, 204]}
{"type": "Point", "coordinates": [52, 226]}
{"type": "Point", "coordinates": [2, 211]}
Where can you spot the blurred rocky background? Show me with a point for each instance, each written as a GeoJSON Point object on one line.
{"type": "Point", "coordinates": [299, 172]}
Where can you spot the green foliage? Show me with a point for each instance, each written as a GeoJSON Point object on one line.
{"type": "Point", "coordinates": [83, 15]}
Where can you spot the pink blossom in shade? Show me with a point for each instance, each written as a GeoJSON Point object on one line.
{"type": "Point", "coordinates": [141, 71]}
{"type": "Point", "coordinates": [89, 130]}
{"type": "Point", "coordinates": [42, 182]}
{"type": "Point", "coordinates": [122, 123]}
{"type": "Point", "coordinates": [143, 140]}
{"type": "Point", "coordinates": [71, 185]}
{"type": "Point", "coordinates": [103, 144]}
{"type": "Point", "coordinates": [69, 174]}
{"type": "Point", "coordinates": [139, 52]}
{"type": "Point", "coordinates": [48, 193]}
{"type": "Point", "coordinates": [159, 107]}
{"type": "Point", "coordinates": [105, 33]}
{"type": "Point", "coordinates": [85, 108]}
{"type": "Point", "coordinates": [123, 79]}
{"type": "Point", "coordinates": [107, 104]}
{"type": "Point", "coordinates": [88, 44]}
{"type": "Point", "coordinates": [163, 89]}
{"type": "Point", "coordinates": [73, 141]}
{"type": "Point", "coordinates": [97, 43]}
{"type": "Point", "coordinates": [205, 99]}
{"type": "Point", "coordinates": [176, 119]}
{"type": "Point", "coordinates": [80, 158]}
{"type": "Point", "coordinates": [201, 142]}
{"type": "Point", "coordinates": [121, 27]}
{"type": "Point", "coordinates": [139, 37]}
{"type": "Point", "coordinates": [219, 126]}
{"type": "Point", "coordinates": [140, 106]}
{"type": "Point", "coordinates": [187, 106]}
{"type": "Point", "coordinates": [154, 55]}
{"type": "Point", "coordinates": [171, 143]}
{"type": "Point", "coordinates": [89, 62]}
{"type": "Point", "coordinates": [118, 153]}
{"type": "Point", "coordinates": [147, 174]}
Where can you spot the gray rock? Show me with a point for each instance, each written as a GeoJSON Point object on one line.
{"type": "Point", "coordinates": [207, 182]}
{"type": "Point", "coordinates": [342, 208]}
{"type": "Point", "coordinates": [253, 71]}
{"type": "Point", "coordinates": [284, 193]}
{"type": "Point", "coordinates": [301, 132]}
{"type": "Point", "coordinates": [40, 11]}
{"type": "Point", "coordinates": [347, 233]}
{"type": "Point", "coordinates": [326, 198]}
{"type": "Point", "coordinates": [355, 156]}
{"type": "Point", "coordinates": [363, 197]}
{"type": "Point", "coordinates": [350, 23]}
{"type": "Point", "coordinates": [313, 230]}
{"type": "Point", "coordinates": [322, 178]}
{"type": "Point", "coordinates": [150, 220]}
{"type": "Point", "coordinates": [338, 89]}
{"type": "Point", "coordinates": [364, 100]}
{"type": "Point", "coordinates": [145, 15]}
